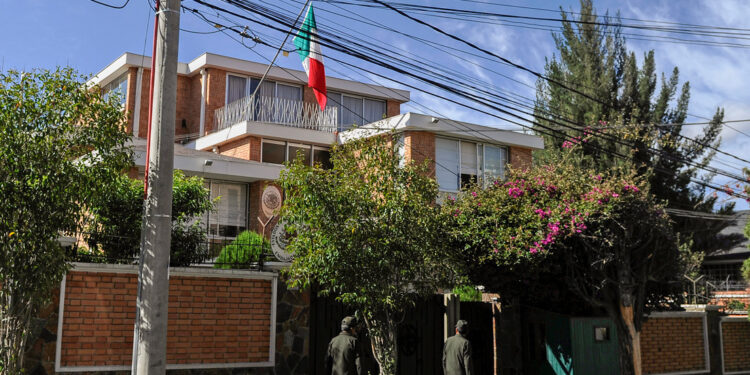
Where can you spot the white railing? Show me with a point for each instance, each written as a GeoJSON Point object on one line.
{"type": "Point", "coordinates": [294, 113]}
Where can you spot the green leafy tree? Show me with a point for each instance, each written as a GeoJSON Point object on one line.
{"type": "Point", "coordinates": [594, 59]}
{"type": "Point", "coordinates": [244, 250]}
{"type": "Point", "coordinates": [117, 212]}
{"type": "Point", "coordinates": [367, 232]}
{"type": "Point", "coordinates": [604, 234]}
{"type": "Point", "coordinates": [61, 145]}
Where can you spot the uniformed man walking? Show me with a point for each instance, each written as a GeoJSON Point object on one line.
{"type": "Point", "coordinates": [457, 352]}
{"type": "Point", "coordinates": [343, 356]}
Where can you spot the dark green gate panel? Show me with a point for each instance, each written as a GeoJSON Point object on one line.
{"type": "Point", "coordinates": [481, 336]}
{"type": "Point", "coordinates": [557, 345]}
{"type": "Point", "coordinates": [592, 357]}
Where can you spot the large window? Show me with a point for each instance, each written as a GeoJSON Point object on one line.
{"type": "Point", "coordinates": [278, 152]}
{"type": "Point", "coordinates": [229, 216]}
{"type": "Point", "coordinates": [239, 87]}
{"type": "Point", "coordinates": [117, 87]}
{"type": "Point", "coordinates": [356, 110]}
{"type": "Point", "coordinates": [462, 163]}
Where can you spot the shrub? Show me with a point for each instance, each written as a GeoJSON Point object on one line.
{"type": "Point", "coordinates": [245, 249]}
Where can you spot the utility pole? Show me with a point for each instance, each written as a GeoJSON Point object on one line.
{"type": "Point", "coordinates": [150, 341]}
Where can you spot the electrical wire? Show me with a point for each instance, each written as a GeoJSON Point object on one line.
{"type": "Point", "coordinates": [698, 182]}
{"type": "Point", "coordinates": [110, 5]}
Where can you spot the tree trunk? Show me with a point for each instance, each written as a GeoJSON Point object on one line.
{"type": "Point", "coordinates": [629, 341]}
{"type": "Point", "coordinates": [384, 341]}
{"type": "Point", "coordinates": [14, 328]}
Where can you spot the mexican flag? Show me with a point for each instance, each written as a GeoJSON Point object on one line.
{"type": "Point", "coordinates": [309, 51]}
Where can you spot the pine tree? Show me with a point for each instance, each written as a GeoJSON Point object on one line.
{"type": "Point", "coordinates": [594, 59]}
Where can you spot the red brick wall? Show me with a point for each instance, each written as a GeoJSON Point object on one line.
{"type": "Point", "coordinates": [212, 320]}
{"type": "Point", "coordinates": [735, 336]}
{"type": "Point", "coordinates": [420, 146]}
{"type": "Point", "coordinates": [143, 120]}
{"type": "Point", "coordinates": [520, 157]}
{"type": "Point", "coordinates": [215, 95]}
{"type": "Point", "coordinates": [672, 344]}
{"type": "Point", "coordinates": [130, 98]}
{"type": "Point", "coordinates": [247, 148]}
{"type": "Point", "coordinates": [188, 104]}
{"type": "Point", "coordinates": [392, 108]}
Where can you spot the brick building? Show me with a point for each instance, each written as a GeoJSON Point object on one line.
{"type": "Point", "coordinates": [239, 144]}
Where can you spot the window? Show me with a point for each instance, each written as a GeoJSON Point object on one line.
{"type": "Point", "coordinates": [117, 87]}
{"type": "Point", "coordinates": [494, 164]}
{"type": "Point", "coordinates": [302, 151]}
{"type": "Point", "coordinates": [322, 156]}
{"type": "Point", "coordinates": [462, 163]}
{"type": "Point", "coordinates": [279, 152]}
{"type": "Point", "coordinates": [239, 87]}
{"type": "Point", "coordinates": [273, 152]}
{"type": "Point", "coordinates": [354, 110]}
{"type": "Point", "coordinates": [229, 216]}
{"type": "Point", "coordinates": [469, 164]}
{"type": "Point", "coordinates": [446, 168]}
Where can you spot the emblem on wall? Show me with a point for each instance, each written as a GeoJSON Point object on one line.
{"type": "Point", "coordinates": [279, 241]}
{"type": "Point", "coordinates": [271, 201]}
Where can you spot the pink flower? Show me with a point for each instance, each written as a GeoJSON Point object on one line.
{"type": "Point", "coordinates": [474, 194]}
{"type": "Point", "coordinates": [494, 250]}
{"type": "Point", "coordinates": [567, 144]}
{"type": "Point", "coordinates": [615, 195]}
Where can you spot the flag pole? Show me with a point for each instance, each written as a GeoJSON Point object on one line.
{"type": "Point", "coordinates": [280, 48]}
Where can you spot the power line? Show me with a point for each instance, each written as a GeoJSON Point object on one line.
{"type": "Point", "coordinates": [110, 5]}
{"type": "Point", "coordinates": [473, 97]}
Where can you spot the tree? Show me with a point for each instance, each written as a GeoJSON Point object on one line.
{"type": "Point", "coordinates": [594, 59]}
{"type": "Point", "coordinates": [61, 145]}
{"type": "Point", "coordinates": [116, 229]}
{"type": "Point", "coordinates": [368, 232]}
{"type": "Point", "coordinates": [746, 263]}
{"type": "Point", "coordinates": [603, 233]}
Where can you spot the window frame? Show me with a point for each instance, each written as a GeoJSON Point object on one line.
{"type": "Point", "coordinates": [481, 147]}
{"type": "Point", "coordinates": [246, 215]}
{"type": "Point", "coordinates": [287, 145]}
{"type": "Point", "coordinates": [340, 107]}
{"type": "Point", "coordinates": [249, 77]}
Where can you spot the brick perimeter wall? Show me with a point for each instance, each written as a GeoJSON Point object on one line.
{"type": "Point", "coordinates": [735, 336]}
{"type": "Point", "coordinates": [211, 319]}
{"type": "Point", "coordinates": [672, 344]}
{"type": "Point", "coordinates": [130, 98]}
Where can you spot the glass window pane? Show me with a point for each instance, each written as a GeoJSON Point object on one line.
{"type": "Point", "coordinates": [236, 87]}
{"type": "Point", "coordinates": [374, 110]}
{"type": "Point", "coordinates": [334, 100]}
{"type": "Point", "coordinates": [351, 112]}
{"type": "Point", "coordinates": [494, 164]}
{"type": "Point", "coordinates": [468, 163]}
{"type": "Point", "coordinates": [273, 153]}
{"type": "Point", "coordinates": [229, 216]}
{"type": "Point", "coordinates": [323, 158]}
{"type": "Point", "coordinates": [446, 166]}
{"type": "Point", "coordinates": [302, 151]}
{"type": "Point", "coordinates": [289, 92]}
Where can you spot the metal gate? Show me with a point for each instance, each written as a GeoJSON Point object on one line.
{"type": "Point", "coordinates": [479, 316]}
{"type": "Point", "coordinates": [420, 336]}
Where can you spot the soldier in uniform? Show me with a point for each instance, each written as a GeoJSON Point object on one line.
{"type": "Point", "coordinates": [343, 355]}
{"type": "Point", "coordinates": [457, 352]}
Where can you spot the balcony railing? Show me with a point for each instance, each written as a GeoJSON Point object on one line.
{"type": "Point", "coordinates": [293, 113]}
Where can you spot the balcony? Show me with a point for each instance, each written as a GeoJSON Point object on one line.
{"type": "Point", "coordinates": [286, 112]}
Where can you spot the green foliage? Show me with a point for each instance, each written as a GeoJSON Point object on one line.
{"type": "Point", "coordinates": [60, 146]}
{"type": "Point", "coordinates": [734, 304]}
{"type": "Point", "coordinates": [602, 234]}
{"type": "Point", "coordinates": [245, 249]}
{"type": "Point", "coordinates": [367, 232]}
{"type": "Point", "coordinates": [595, 59]}
{"type": "Point", "coordinates": [467, 293]}
{"type": "Point", "coordinates": [116, 229]}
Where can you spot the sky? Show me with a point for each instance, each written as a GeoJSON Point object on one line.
{"type": "Point", "coordinates": [88, 36]}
